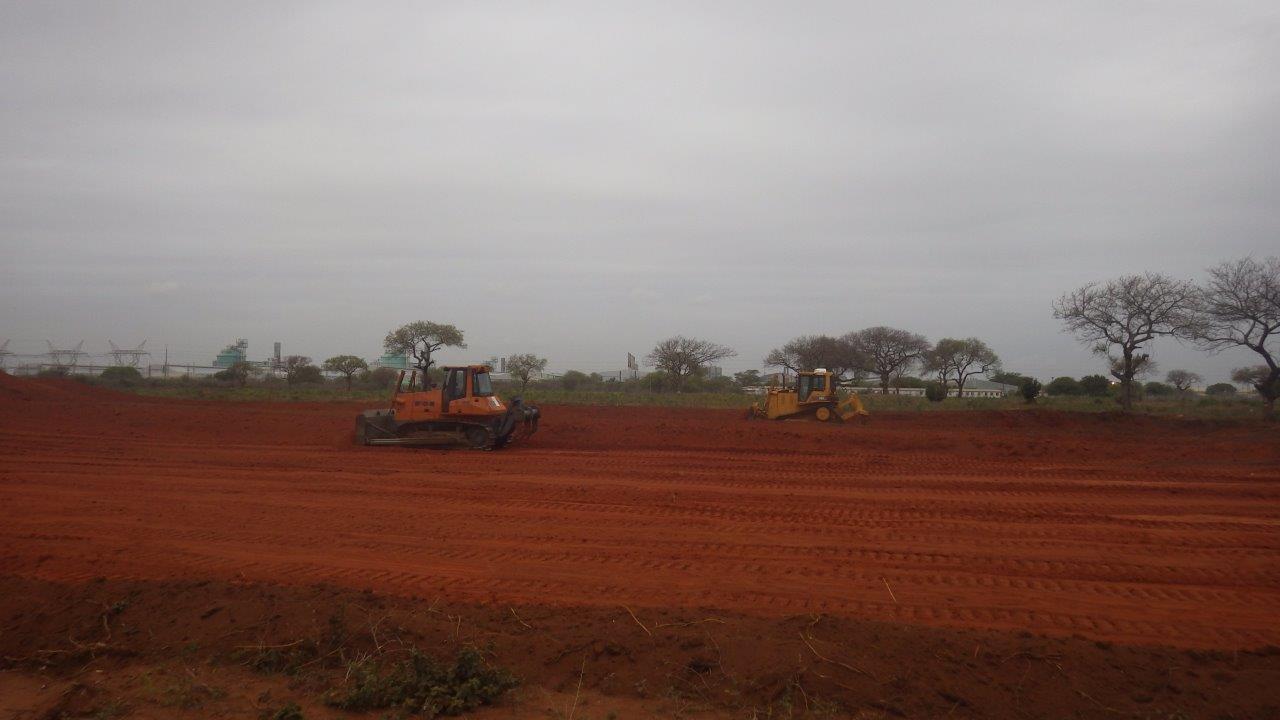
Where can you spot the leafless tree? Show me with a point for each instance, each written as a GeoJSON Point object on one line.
{"type": "Point", "coordinates": [807, 352]}
{"type": "Point", "coordinates": [1183, 380]}
{"type": "Point", "coordinates": [1127, 313]}
{"type": "Point", "coordinates": [681, 357]}
{"type": "Point", "coordinates": [1239, 306]}
{"type": "Point", "coordinates": [960, 360]}
{"type": "Point", "coordinates": [524, 367]}
{"type": "Point", "coordinates": [887, 352]}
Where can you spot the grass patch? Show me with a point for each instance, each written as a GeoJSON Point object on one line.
{"type": "Point", "coordinates": [419, 685]}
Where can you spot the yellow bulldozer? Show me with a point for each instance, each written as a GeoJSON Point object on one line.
{"type": "Point", "coordinates": [813, 397]}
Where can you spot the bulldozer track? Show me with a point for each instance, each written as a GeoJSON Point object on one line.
{"type": "Point", "coordinates": [1136, 530]}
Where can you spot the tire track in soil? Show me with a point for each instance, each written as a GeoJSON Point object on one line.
{"type": "Point", "coordinates": [1124, 536]}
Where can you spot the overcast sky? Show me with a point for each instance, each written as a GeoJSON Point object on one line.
{"type": "Point", "coordinates": [580, 180]}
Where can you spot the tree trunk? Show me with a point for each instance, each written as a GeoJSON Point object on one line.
{"type": "Point", "coordinates": [348, 383]}
{"type": "Point", "coordinates": [960, 387]}
{"type": "Point", "coordinates": [884, 384]}
{"type": "Point", "coordinates": [1126, 381]}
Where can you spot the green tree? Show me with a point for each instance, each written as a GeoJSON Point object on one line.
{"type": "Point", "coordinates": [935, 392]}
{"type": "Point", "coordinates": [1063, 386]}
{"type": "Point", "coordinates": [1006, 377]}
{"type": "Point", "coordinates": [1030, 389]}
{"type": "Point", "coordinates": [1220, 390]}
{"type": "Point", "coordinates": [419, 339]}
{"type": "Point", "coordinates": [1095, 386]}
{"type": "Point", "coordinates": [1158, 389]}
{"type": "Point", "coordinates": [347, 366]}
{"type": "Point", "coordinates": [748, 378]}
{"type": "Point", "coordinates": [298, 370]}
{"type": "Point", "coordinates": [958, 360]}
{"type": "Point", "coordinates": [524, 367]}
{"type": "Point", "coordinates": [573, 379]}
{"type": "Point", "coordinates": [123, 375]}
{"type": "Point", "coordinates": [237, 373]}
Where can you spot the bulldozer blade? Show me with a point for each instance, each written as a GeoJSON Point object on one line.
{"type": "Point", "coordinates": [850, 408]}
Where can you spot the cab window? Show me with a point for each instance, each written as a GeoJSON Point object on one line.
{"type": "Point", "coordinates": [454, 384]}
{"type": "Point", "coordinates": [809, 384]}
{"type": "Point", "coordinates": [481, 385]}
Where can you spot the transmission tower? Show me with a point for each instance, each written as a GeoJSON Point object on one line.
{"type": "Point", "coordinates": [4, 352]}
{"type": "Point", "coordinates": [127, 356]}
{"type": "Point", "coordinates": [65, 358]}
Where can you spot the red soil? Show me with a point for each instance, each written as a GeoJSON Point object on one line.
{"type": "Point", "coordinates": [1137, 530]}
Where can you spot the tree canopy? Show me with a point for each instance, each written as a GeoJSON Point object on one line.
{"type": "Point", "coordinates": [681, 357]}
{"type": "Point", "coordinates": [1127, 313]}
{"type": "Point", "coordinates": [420, 339]}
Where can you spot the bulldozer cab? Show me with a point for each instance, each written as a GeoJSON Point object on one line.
{"type": "Point", "coordinates": [463, 382]}
{"type": "Point", "coordinates": [816, 384]}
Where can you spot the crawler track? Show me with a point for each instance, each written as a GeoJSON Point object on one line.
{"type": "Point", "coordinates": [1127, 529]}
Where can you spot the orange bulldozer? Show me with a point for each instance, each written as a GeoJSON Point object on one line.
{"type": "Point", "coordinates": [463, 410]}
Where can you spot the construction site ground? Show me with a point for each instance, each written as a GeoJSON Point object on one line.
{"type": "Point", "coordinates": [642, 562]}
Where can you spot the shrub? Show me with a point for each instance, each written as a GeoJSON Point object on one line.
{"type": "Point", "coordinates": [420, 685]}
{"type": "Point", "coordinates": [123, 376]}
{"type": "Point", "coordinates": [573, 380]}
{"type": "Point", "coordinates": [1063, 386]}
{"type": "Point", "coordinates": [1030, 389]}
{"type": "Point", "coordinates": [1157, 389]}
{"type": "Point", "coordinates": [1095, 385]}
{"type": "Point", "coordinates": [935, 392]}
{"type": "Point", "coordinates": [55, 372]}
{"type": "Point", "coordinates": [1220, 389]}
{"type": "Point", "coordinates": [379, 378]}
{"type": "Point", "coordinates": [305, 375]}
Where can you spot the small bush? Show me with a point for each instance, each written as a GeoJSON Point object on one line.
{"type": "Point", "coordinates": [1063, 386]}
{"type": "Point", "coordinates": [1158, 389]}
{"type": "Point", "coordinates": [1220, 389]}
{"type": "Point", "coordinates": [122, 376]}
{"type": "Point", "coordinates": [1095, 385]}
{"type": "Point", "coordinates": [935, 392]}
{"type": "Point", "coordinates": [421, 686]}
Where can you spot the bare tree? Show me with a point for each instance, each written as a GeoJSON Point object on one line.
{"type": "Point", "coordinates": [1127, 313]}
{"type": "Point", "coordinates": [681, 357]}
{"type": "Point", "coordinates": [961, 360]}
{"type": "Point", "coordinates": [807, 352]}
{"type": "Point", "coordinates": [419, 339]}
{"type": "Point", "coordinates": [1240, 307]}
{"type": "Point", "coordinates": [525, 367]}
{"type": "Point", "coordinates": [1183, 380]}
{"type": "Point", "coordinates": [887, 352]}
{"type": "Point", "coordinates": [346, 365]}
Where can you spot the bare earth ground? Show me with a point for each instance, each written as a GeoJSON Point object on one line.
{"type": "Point", "coordinates": [1024, 564]}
